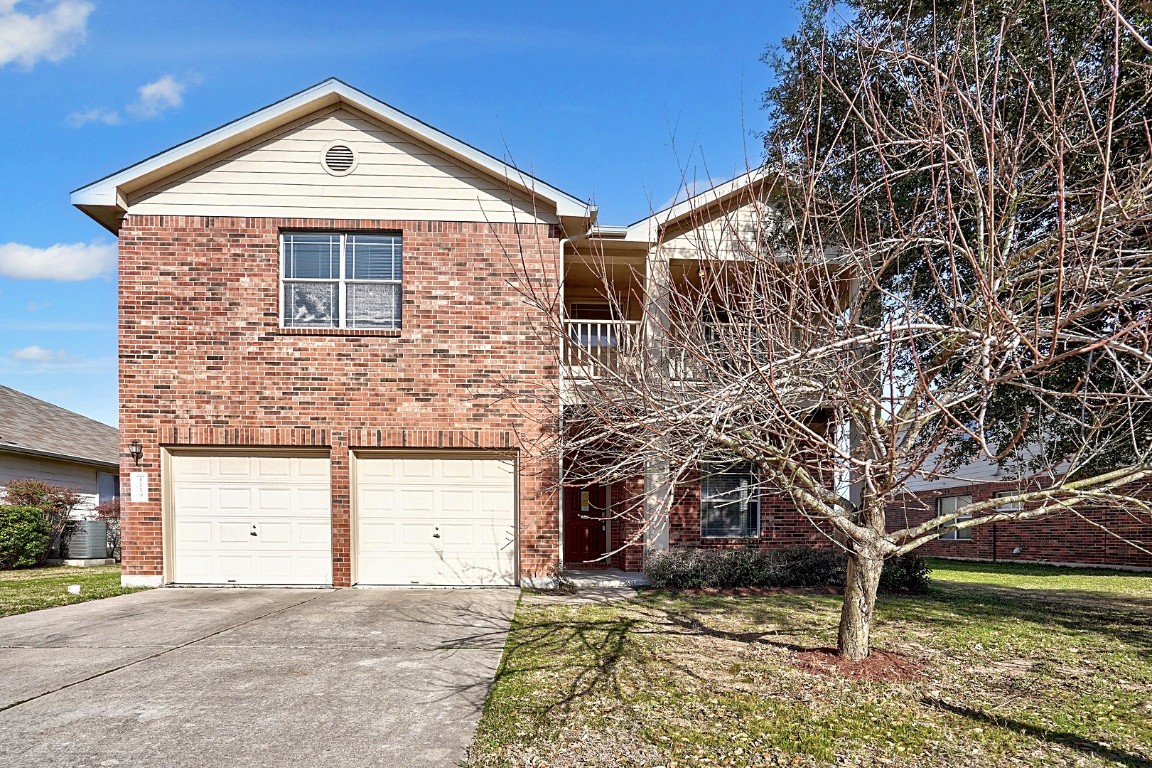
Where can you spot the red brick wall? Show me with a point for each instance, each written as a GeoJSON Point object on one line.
{"type": "Point", "coordinates": [204, 362]}
{"type": "Point", "coordinates": [1060, 538]}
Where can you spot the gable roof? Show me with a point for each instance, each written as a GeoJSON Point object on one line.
{"type": "Point", "coordinates": [105, 200]}
{"type": "Point", "coordinates": [648, 229]}
{"type": "Point", "coordinates": [32, 426]}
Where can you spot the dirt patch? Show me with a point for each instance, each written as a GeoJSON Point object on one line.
{"type": "Point", "coordinates": [879, 667]}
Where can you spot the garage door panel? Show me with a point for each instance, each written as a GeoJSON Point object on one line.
{"type": "Point", "coordinates": [414, 502]}
{"type": "Point", "coordinates": [315, 533]}
{"type": "Point", "coordinates": [417, 469]}
{"type": "Point", "coordinates": [220, 501]}
{"type": "Point", "coordinates": [440, 521]}
{"type": "Point", "coordinates": [234, 532]}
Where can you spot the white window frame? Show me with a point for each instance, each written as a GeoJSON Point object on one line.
{"type": "Point", "coordinates": [749, 498]}
{"type": "Point", "coordinates": [1012, 506]}
{"type": "Point", "coordinates": [343, 282]}
{"type": "Point", "coordinates": [941, 503]}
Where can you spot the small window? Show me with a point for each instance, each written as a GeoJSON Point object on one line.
{"type": "Point", "coordinates": [107, 486]}
{"type": "Point", "coordinates": [730, 502]}
{"type": "Point", "coordinates": [332, 280]}
{"type": "Point", "coordinates": [1009, 506]}
{"type": "Point", "coordinates": [947, 505]}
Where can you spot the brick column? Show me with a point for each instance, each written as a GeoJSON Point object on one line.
{"type": "Point", "coordinates": [341, 511]}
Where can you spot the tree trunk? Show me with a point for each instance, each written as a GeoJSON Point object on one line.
{"type": "Point", "coordinates": [864, 566]}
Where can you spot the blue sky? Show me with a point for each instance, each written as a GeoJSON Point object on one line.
{"type": "Point", "coordinates": [616, 102]}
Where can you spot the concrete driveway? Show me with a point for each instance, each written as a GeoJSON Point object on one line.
{"type": "Point", "coordinates": [251, 677]}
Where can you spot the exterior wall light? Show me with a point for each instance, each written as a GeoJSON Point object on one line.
{"type": "Point", "coordinates": [136, 451]}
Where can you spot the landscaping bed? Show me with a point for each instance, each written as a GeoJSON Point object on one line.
{"type": "Point", "coordinates": [996, 665]}
{"type": "Point", "coordinates": [30, 589]}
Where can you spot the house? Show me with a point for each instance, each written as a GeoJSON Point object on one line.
{"type": "Point", "coordinates": [326, 361]}
{"type": "Point", "coordinates": [329, 374]}
{"type": "Point", "coordinates": [1103, 536]}
{"type": "Point", "coordinates": [41, 441]}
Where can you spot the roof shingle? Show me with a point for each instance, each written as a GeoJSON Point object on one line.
{"type": "Point", "coordinates": [28, 424]}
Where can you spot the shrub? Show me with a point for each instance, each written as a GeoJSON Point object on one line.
{"type": "Point", "coordinates": [683, 568]}
{"type": "Point", "coordinates": [906, 573]}
{"type": "Point", "coordinates": [25, 534]}
{"type": "Point", "coordinates": [109, 512]}
{"type": "Point", "coordinates": [55, 502]}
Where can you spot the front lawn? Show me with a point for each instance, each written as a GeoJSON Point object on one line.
{"type": "Point", "coordinates": [1014, 673]}
{"type": "Point", "coordinates": [30, 589]}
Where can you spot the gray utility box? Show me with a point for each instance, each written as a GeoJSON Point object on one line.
{"type": "Point", "coordinates": [85, 540]}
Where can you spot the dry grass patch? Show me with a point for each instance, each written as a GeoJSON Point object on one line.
{"type": "Point", "coordinates": [1006, 679]}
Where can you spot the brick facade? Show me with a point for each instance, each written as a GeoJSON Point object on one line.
{"type": "Point", "coordinates": [203, 361]}
{"type": "Point", "coordinates": [1100, 537]}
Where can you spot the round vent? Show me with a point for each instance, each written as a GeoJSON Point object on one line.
{"type": "Point", "coordinates": [338, 159]}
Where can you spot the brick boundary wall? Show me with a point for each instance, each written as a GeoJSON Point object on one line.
{"type": "Point", "coordinates": [203, 361]}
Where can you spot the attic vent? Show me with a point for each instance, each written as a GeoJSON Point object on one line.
{"type": "Point", "coordinates": [339, 159]}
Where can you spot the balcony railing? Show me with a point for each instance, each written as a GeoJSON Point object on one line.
{"type": "Point", "coordinates": [594, 347]}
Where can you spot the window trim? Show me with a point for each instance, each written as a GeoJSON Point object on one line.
{"type": "Point", "coordinates": [753, 499]}
{"type": "Point", "coordinates": [955, 535]}
{"type": "Point", "coordinates": [342, 282]}
{"type": "Point", "coordinates": [1015, 506]}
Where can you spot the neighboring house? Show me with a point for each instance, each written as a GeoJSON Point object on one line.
{"type": "Point", "coordinates": [41, 441]}
{"type": "Point", "coordinates": [331, 374]}
{"type": "Point", "coordinates": [1103, 536]}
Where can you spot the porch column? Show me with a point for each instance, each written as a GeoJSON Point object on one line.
{"type": "Point", "coordinates": [658, 484]}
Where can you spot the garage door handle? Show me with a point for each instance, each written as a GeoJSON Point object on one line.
{"type": "Point", "coordinates": [437, 534]}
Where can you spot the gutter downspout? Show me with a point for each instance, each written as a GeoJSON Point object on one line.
{"type": "Point", "coordinates": [560, 405]}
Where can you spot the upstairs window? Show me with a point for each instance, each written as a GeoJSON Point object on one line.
{"type": "Point", "coordinates": [336, 280]}
{"type": "Point", "coordinates": [730, 502]}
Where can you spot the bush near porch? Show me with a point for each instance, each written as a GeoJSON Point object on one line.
{"type": "Point", "coordinates": [1020, 665]}
{"type": "Point", "coordinates": [696, 568]}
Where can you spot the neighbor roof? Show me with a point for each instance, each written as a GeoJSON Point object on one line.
{"type": "Point", "coordinates": [105, 200]}
{"type": "Point", "coordinates": [32, 426]}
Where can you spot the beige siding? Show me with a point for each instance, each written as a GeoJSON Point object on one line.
{"type": "Point", "coordinates": [76, 477]}
{"type": "Point", "coordinates": [718, 233]}
{"type": "Point", "coordinates": [395, 178]}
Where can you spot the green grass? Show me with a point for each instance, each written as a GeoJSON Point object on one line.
{"type": "Point", "coordinates": [1014, 674]}
{"type": "Point", "coordinates": [31, 589]}
{"type": "Point", "coordinates": [1044, 577]}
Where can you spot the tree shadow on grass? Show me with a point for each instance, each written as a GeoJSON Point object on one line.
{"type": "Point", "coordinates": [952, 606]}
{"type": "Point", "coordinates": [1079, 743]}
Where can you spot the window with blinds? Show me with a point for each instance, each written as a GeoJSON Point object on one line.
{"type": "Point", "coordinates": [337, 280]}
{"type": "Point", "coordinates": [729, 502]}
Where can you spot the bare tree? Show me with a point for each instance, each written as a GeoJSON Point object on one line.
{"type": "Point", "coordinates": [984, 290]}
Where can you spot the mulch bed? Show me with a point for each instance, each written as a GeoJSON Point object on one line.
{"type": "Point", "coordinates": [879, 667]}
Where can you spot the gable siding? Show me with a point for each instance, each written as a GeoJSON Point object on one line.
{"type": "Point", "coordinates": [395, 178]}
{"type": "Point", "coordinates": [717, 233]}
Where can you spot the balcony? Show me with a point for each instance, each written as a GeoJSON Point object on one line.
{"type": "Point", "coordinates": [594, 348]}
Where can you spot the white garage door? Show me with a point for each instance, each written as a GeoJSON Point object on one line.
{"type": "Point", "coordinates": [436, 520]}
{"type": "Point", "coordinates": [258, 519]}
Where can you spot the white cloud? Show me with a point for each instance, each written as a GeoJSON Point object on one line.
{"type": "Point", "coordinates": [152, 99]}
{"type": "Point", "coordinates": [65, 262]}
{"type": "Point", "coordinates": [51, 35]}
{"type": "Point", "coordinates": [156, 97]}
{"type": "Point", "coordinates": [94, 115]}
{"type": "Point", "coordinates": [35, 354]}
{"type": "Point", "coordinates": [37, 359]}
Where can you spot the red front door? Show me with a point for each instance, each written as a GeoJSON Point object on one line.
{"type": "Point", "coordinates": [585, 523]}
